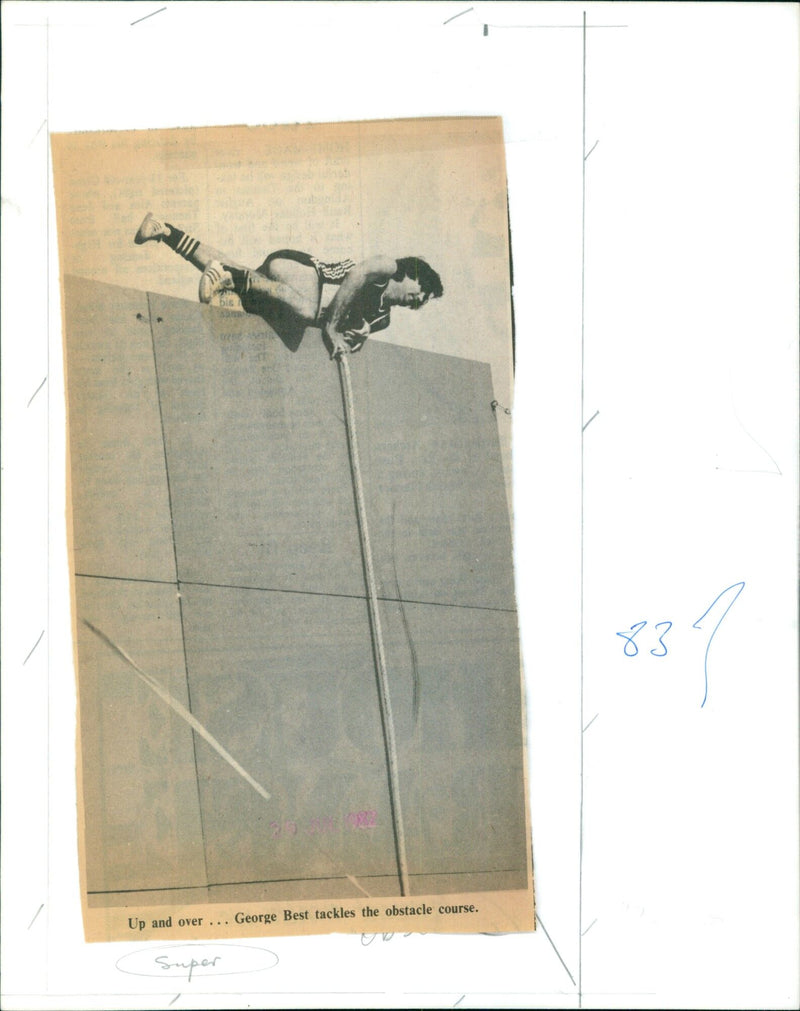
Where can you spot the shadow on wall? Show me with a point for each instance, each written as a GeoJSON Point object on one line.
{"type": "Point", "coordinates": [277, 316]}
{"type": "Point", "coordinates": [285, 324]}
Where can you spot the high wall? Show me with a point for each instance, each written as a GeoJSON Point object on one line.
{"type": "Point", "coordinates": [215, 542]}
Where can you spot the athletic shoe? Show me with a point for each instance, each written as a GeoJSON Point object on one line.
{"type": "Point", "coordinates": [151, 228]}
{"type": "Point", "coordinates": [215, 279]}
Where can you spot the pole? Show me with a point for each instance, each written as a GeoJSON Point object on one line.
{"type": "Point", "coordinates": [375, 624]}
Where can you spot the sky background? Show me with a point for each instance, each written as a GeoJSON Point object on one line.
{"type": "Point", "coordinates": [434, 188]}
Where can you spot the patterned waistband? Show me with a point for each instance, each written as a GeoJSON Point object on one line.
{"type": "Point", "coordinates": [332, 273]}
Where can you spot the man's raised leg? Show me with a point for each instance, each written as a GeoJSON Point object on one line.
{"type": "Point", "coordinates": [199, 254]}
{"type": "Point", "coordinates": [222, 273]}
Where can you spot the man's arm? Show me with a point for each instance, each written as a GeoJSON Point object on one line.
{"type": "Point", "coordinates": [375, 270]}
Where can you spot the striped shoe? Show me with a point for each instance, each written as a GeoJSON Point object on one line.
{"type": "Point", "coordinates": [215, 278]}
{"type": "Point", "coordinates": [150, 229]}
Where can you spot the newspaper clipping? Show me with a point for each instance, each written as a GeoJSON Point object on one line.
{"type": "Point", "coordinates": [289, 359]}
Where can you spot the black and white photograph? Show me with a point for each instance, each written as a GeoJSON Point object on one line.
{"type": "Point", "coordinates": [399, 456]}
{"type": "Point", "coordinates": [288, 364]}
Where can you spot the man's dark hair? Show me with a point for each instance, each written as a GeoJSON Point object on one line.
{"type": "Point", "coordinates": [419, 270]}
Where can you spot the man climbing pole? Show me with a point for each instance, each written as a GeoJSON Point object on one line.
{"type": "Point", "coordinates": [362, 304]}
{"type": "Point", "coordinates": [367, 291]}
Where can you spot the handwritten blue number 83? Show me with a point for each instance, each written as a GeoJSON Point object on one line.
{"type": "Point", "coordinates": [631, 648]}
{"type": "Point", "coordinates": [629, 643]}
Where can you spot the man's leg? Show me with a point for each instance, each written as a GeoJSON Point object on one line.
{"type": "Point", "coordinates": [197, 253]}
{"type": "Point", "coordinates": [299, 285]}
{"type": "Point", "coordinates": [222, 273]}
{"type": "Point", "coordinates": [298, 289]}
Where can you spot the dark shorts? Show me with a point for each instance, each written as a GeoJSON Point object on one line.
{"type": "Point", "coordinates": [328, 273]}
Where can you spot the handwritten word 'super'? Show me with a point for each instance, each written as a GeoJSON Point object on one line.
{"type": "Point", "coordinates": [631, 647]}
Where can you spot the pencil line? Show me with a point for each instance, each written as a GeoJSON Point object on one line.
{"type": "Point", "coordinates": [27, 658]}
{"type": "Point", "coordinates": [41, 127]}
{"type": "Point", "coordinates": [47, 443]}
{"type": "Point", "coordinates": [127, 579]}
{"type": "Point", "coordinates": [225, 993]}
{"type": "Point", "coordinates": [309, 593]}
{"type": "Point", "coordinates": [583, 361]}
{"type": "Point", "coordinates": [555, 949]}
{"type": "Point", "coordinates": [136, 22]}
{"type": "Point", "coordinates": [180, 600]}
{"type": "Point", "coordinates": [41, 384]}
{"type": "Point", "coordinates": [282, 881]}
{"type": "Point", "coordinates": [584, 26]}
{"type": "Point", "coordinates": [755, 440]}
{"type": "Point", "coordinates": [458, 15]}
